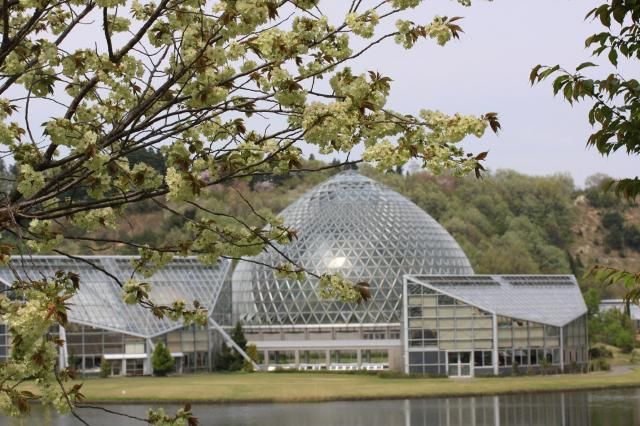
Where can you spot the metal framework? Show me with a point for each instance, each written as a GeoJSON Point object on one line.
{"type": "Point", "coordinates": [355, 226]}
{"type": "Point", "coordinates": [496, 323]}
{"type": "Point", "coordinates": [99, 303]}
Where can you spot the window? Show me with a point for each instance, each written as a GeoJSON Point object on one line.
{"type": "Point", "coordinates": [504, 358]}
{"type": "Point", "coordinates": [374, 335]}
{"type": "Point", "coordinates": [431, 357]}
{"type": "Point", "coordinates": [504, 322]}
{"type": "Point", "coordinates": [430, 334]}
{"type": "Point", "coordinates": [415, 334]}
{"type": "Point", "coordinates": [430, 337]}
{"type": "Point", "coordinates": [551, 331]}
{"type": "Point", "coordinates": [415, 312]}
{"type": "Point", "coordinates": [488, 358]}
{"type": "Point", "coordinates": [415, 357]}
{"type": "Point", "coordinates": [445, 300]}
{"type": "Point", "coordinates": [521, 357]}
{"type": "Point", "coordinates": [482, 358]}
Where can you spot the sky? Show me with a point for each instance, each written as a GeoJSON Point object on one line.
{"type": "Point", "coordinates": [487, 70]}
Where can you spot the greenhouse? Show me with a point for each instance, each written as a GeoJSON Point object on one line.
{"type": "Point", "coordinates": [428, 314]}
{"type": "Point", "coordinates": [101, 326]}
{"type": "Point", "coordinates": [363, 230]}
{"type": "Point", "coordinates": [493, 325]}
{"type": "Point", "coordinates": [357, 227]}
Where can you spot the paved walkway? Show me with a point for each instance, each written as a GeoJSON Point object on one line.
{"type": "Point", "coordinates": [619, 370]}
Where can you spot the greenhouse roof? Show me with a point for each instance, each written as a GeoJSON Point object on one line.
{"type": "Point", "coordinates": [357, 227]}
{"type": "Point", "coordinates": [99, 303]}
{"type": "Point", "coordinates": [547, 299]}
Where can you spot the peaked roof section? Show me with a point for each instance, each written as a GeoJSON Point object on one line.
{"type": "Point", "coordinates": [547, 299]}
{"type": "Point", "coordinates": [99, 303]}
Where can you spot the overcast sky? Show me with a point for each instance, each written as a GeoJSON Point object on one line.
{"type": "Point", "coordinates": [488, 70]}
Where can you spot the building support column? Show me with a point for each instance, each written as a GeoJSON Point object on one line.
{"type": "Point", "coordinates": [296, 358]}
{"type": "Point", "coordinates": [359, 358]}
{"type": "Point", "coordinates": [562, 349]}
{"type": "Point", "coordinates": [83, 364]}
{"type": "Point", "coordinates": [265, 356]}
{"type": "Point", "coordinates": [147, 367]}
{"type": "Point", "coordinates": [63, 354]}
{"type": "Point", "coordinates": [496, 367]}
{"type": "Point", "coordinates": [404, 329]}
{"type": "Point", "coordinates": [123, 367]}
{"type": "Point", "coordinates": [327, 358]}
{"type": "Point", "coordinates": [209, 344]}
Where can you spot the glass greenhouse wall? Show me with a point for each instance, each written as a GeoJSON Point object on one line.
{"type": "Point", "coordinates": [449, 334]}
{"type": "Point", "coordinates": [102, 327]}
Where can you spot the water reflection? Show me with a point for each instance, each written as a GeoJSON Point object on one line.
{"type": "Point", "coordinates": [600, 408]}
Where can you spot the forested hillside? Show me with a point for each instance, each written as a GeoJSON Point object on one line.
{"type": "Point", "coordinates": [506, 222]}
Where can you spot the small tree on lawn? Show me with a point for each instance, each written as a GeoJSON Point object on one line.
{"type": "Point", "coordinates": [238, 336]}
{"type": "Point", "coordinates": [161, 360]}
{"type": "Point", "coordinates": [252, 351]}
{"type": "Point", "coordinates": [105, 368]}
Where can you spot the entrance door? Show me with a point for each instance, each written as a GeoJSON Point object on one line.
{"type": "Point", "coordinates": [459, 364]}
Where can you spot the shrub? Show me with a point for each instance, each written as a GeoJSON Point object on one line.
{"type": "Point", "coordinates": [600, 351]}
{"type": "Point", "coordinates": [614, 239]}
{"type": "Point", "coordinates": [515, 369]}
{"type": "Point", "coordinates": [229, 359]}
{"type": "Point", "coordinates": [632, 237]}
{"type": "Point", "coordinates": [161, 360]}
{"type": "Point", "coordinates": [603, 364]}
{"type": "Point", "coordinates": [74, 361]}
{"type": "Point", "coordinates": [105, 368]}
{"type": "Point", "coordinates": [614, 328]}
{"type": "Point", "coordinates": [544, 365]}
{"type": "Point", "coordinates": [613, 220]}
{"type": "Point", "coordinates": [625, 340]}
{"type": "Point", "coordinates": [252, 351]}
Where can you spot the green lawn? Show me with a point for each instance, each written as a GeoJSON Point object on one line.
{"type": "Point", "coordinates": [287, 387]}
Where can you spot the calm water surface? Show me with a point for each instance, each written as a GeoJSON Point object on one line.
{"type": "Point", "coordinates": [596, 408]}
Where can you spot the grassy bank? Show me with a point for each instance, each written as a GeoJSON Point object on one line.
{"type": "Point", "coordinates": [291, 387]}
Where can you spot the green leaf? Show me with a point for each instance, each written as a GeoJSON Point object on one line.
{"type": "Point", "coordinates": [613, 57]}
{"type": "Point", "coordinates": [534, 73]}
{"type": "Point", "coordinates": [546, 73]}
{"type": "Point", "coordinates": [619, 13]}
{"type": "Point", "coordinates": [559, 82]}
{"type": "Point", "coordinates": [568, 93]}
{"type": "Point", "coordinates": [603, 14]}
{"type": "Point", "coordinates": [585, 65]}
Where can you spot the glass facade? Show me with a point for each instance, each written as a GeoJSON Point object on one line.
{"type": "Point", "coordinates": [101, 325]}
{"type": "Point", "coordinates": [99, 303]}
{"type": "Point", "coordinates": [447, 336]}
{"type": "Point", "coordinates": [355, 226]}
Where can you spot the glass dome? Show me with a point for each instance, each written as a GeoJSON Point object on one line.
{"type": "Point", "coordinates": [355, 226]}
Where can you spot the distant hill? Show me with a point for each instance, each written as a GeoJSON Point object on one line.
{"type": "Point", "coordinates": [507, 223]}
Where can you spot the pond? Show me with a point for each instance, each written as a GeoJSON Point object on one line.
{"type": "Point", "coordinates": [589, 408]}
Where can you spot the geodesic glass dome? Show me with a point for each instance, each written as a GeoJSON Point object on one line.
{"type": "Point", "coordinates": [355, 226]}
